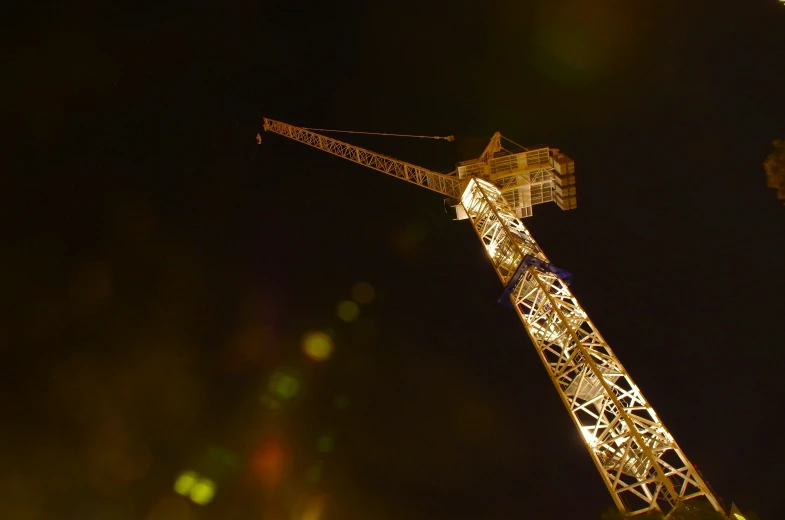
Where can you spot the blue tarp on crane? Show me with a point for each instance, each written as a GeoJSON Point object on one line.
{"type": "Point", "coordinates": [542, 265]}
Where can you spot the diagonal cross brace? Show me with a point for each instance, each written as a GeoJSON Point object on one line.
{"type": "Point", "coordinates": [542, 265]}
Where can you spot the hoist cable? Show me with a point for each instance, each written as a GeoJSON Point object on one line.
{"type": "Point", "coordinates": [516, 144]}
{"type": "Point", "coordinates": [447, 138]}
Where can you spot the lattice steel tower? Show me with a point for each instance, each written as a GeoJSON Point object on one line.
{"type": "Point", "coordinates": [640, 462]}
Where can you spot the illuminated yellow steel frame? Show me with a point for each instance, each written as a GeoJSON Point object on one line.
{"type": "Point", "coordinates": [639, 461]}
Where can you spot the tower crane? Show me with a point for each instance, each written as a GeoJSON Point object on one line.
{"type": "Point", "coordinates": [638, 459]}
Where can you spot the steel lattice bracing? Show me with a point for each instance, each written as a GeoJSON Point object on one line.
{"type": "Point", "coordinates": [446, 184]}
{"type": "Point", "coordinates": [639, 460]}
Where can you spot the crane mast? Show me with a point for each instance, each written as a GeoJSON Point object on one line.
{"type": "Point", "coordinates": [638, 459]}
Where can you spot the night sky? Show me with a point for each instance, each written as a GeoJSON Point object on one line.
{"type": "Point", "coordinates": [159, 270]}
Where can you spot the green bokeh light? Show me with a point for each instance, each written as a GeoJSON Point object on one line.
{"type": "Point", "coordinates": [325, 444]}
{"type": "Point", "coordinates": [284, 385]}
{"type": "Point", "coordinates": [348, 311]}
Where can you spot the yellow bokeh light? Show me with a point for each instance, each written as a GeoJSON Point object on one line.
{"type": "Point", "coordinates": [315, 508]}
{"type": "Point", "coordinates": [317, 346]}
{"type": "Point", "coordinates": [202, 491]}
{"type": "Point", "coordinates": [363, 293]}
{"type": "Point", "coordinates": [348, 311]}
{"type": "Point", "coordinates": [185, 482]}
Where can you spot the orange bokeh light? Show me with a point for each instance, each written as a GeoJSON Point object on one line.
{"type": "Point", "coordinates": [269, 463]}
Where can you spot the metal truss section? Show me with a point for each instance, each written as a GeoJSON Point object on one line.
{"type": "Point", "coordinates": [639, 461]}
{"type": "Point", "coordinates": [506, 240]}
{"type": "Point", "coordinates": [445, 184]}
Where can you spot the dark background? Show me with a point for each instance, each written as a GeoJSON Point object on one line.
{"type": "Point", "coordinates": [158, 266]}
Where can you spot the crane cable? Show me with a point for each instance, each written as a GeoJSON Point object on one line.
{"type": "Point", "coordinates": [446, 138]}
{"type": "Point", "coordinates": [513, 142]}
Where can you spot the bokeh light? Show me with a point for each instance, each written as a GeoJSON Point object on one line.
{"type": "Point", "coordinates": [348, 311]}
{"type": "Point", "coordinates": [199, 490]}
{"type": "Point", "coordinates": [325, 443]}
{"type": "Point", "coordinates": [185, 481]}
{"type": "Point", "coordinates": [315, 508]}
{"type": "Point", "coordinates": [363, 293]}
{"type": "Point", "coordinates": [269, 463]}
{"type": "Point", "coordinates": [202, 491]}
{"type": "Point", "coordinates": [317, 346]}
{"type": "Point", "coordinates": [284, 385]}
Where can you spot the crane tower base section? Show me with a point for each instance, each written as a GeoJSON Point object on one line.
{"type": "Point", "coordinates": [639, 461]}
